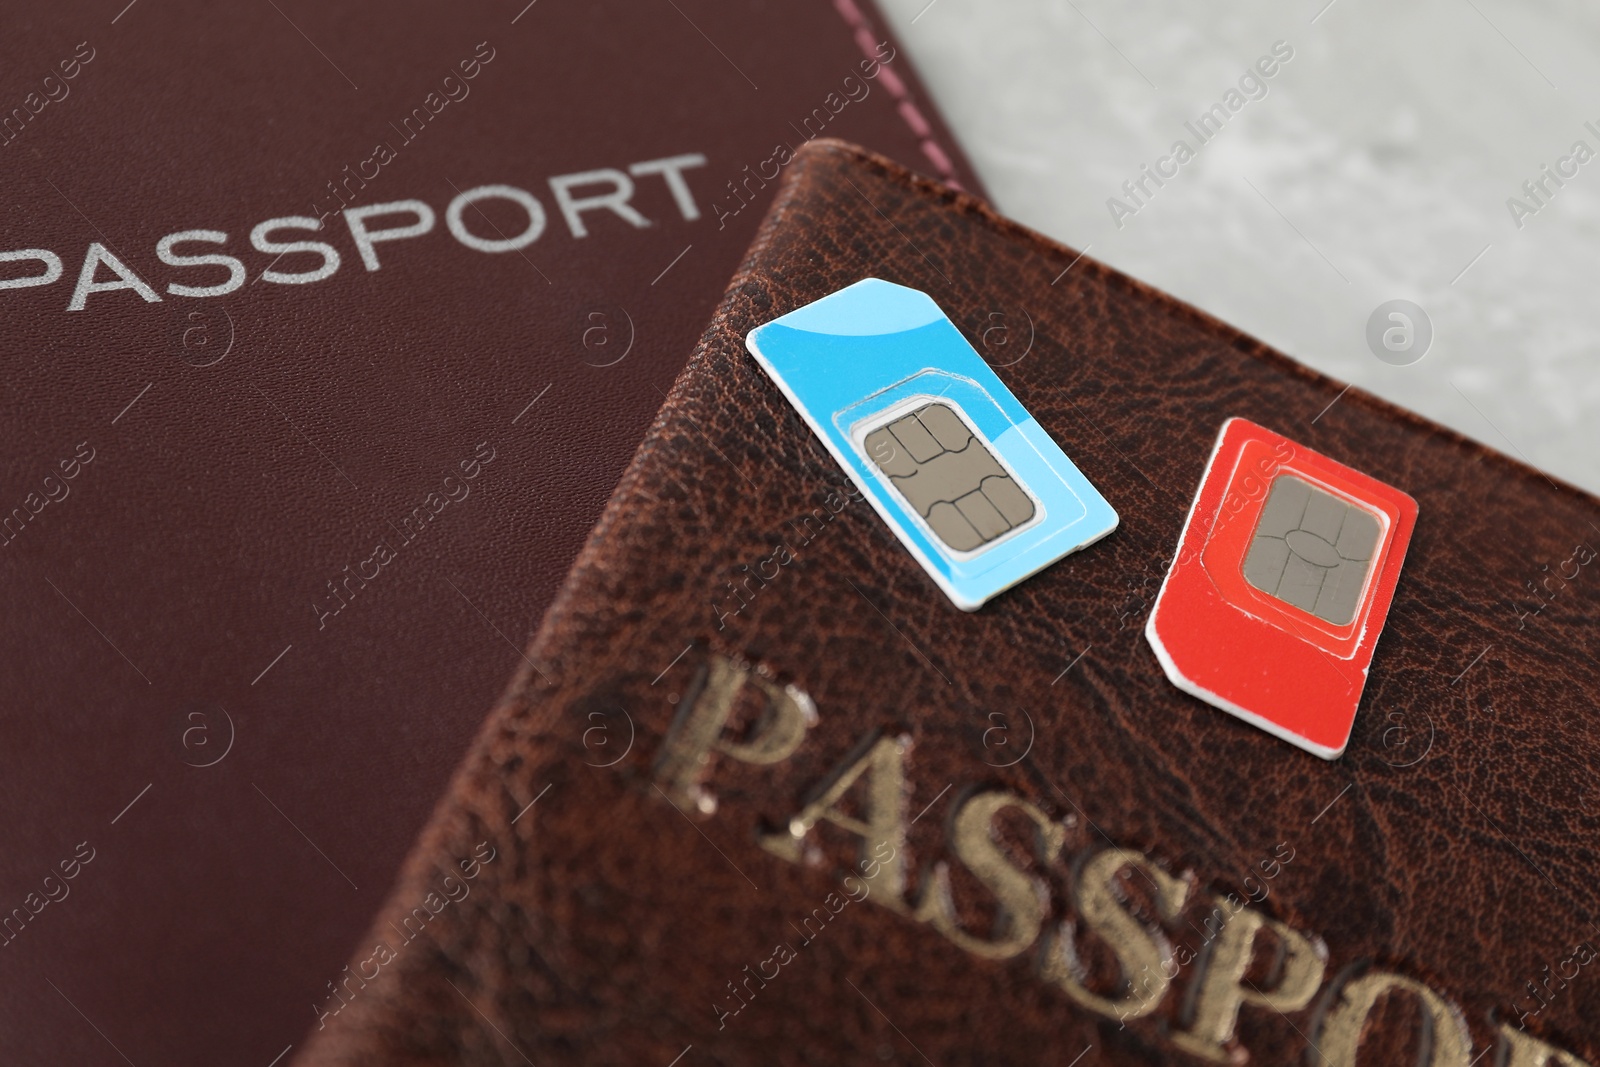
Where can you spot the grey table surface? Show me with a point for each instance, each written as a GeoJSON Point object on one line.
{"type": "Point", "coordinates": [1380, 162]}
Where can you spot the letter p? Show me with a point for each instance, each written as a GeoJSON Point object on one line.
{"type": "Point", "coordinates": [367, 239]}
{"type": "Point", "coordinates": [704, 716]}
{"type": "Point", "coordinates": [1224, 988]}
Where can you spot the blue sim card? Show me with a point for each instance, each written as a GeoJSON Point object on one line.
{"type": "Point", "coordinates": [963, 475]}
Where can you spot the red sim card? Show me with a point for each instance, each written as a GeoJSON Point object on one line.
{"type": "Point", "coordinates": [1281, 584]}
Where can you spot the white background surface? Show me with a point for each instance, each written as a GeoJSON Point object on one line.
{"type": "Point", "coordinates": [1381, 159]}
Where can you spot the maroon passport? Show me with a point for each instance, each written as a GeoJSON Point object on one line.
{"type": "Point", "coordinates": [328, 330]}
{"type": "Point", "coordinates": [763, 795]}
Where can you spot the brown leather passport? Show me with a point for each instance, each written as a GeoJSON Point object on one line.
{"type": "Point", "coordinates": [328, 330]}
{"type": "Point", "coordinates": [761, 794]}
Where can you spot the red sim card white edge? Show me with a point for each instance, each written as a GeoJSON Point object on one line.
{"type": "Point", "coordinates": [1221, 651]}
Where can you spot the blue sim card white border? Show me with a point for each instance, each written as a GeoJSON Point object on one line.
{"type": "Point", "coordinates": [851, 360]}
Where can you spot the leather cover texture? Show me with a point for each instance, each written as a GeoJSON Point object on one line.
{"type": "Point", "coordinates": [268, 555]}
{"type": "Point", "coordinates": [762, 795]}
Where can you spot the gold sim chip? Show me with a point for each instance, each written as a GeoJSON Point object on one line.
{"type": "Point", "coordinates": [950, 477]}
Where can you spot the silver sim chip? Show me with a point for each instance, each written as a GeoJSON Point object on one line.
{"type": "Point", "coordinates": [950, 477]}
{"type": "Point", "coordinates": [1312, 550]}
